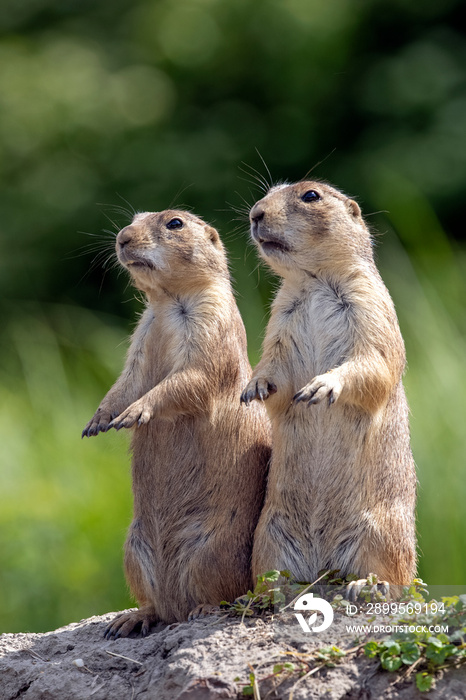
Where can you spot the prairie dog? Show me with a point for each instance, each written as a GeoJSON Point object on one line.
{"type": "Point", "coordinates": [342, 484]}
{"type": "Point", "coordinates": [199, 460]}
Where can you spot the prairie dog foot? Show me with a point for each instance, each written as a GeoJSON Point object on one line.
{"type": "Point", "coordinates": [139, 412]}
{"type": "Point", "coordinates": [258, 388]}
{"type": "Point", "coordinates": [321, 387]}
{"type": "Point", "coordinates": [99, 423]}
{"type": "Point", "coordinates": [203, 610]}
{"type": "Point", "coordinates": [373, 586]}
{"type": "Point", "coordinates": [124, 624]}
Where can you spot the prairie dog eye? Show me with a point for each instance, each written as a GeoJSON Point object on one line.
{"type": "Point", "coordinates": [310, 196]}
{"type": "Point", "coordinates": [174, 223]}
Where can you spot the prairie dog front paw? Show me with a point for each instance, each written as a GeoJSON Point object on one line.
{"type": "Point", "coordinates": [139, 412]}
{"type": "Point", "coordinates": [321, 387]}
{"type": "Point", "coordinates": [258, 388]}
{"type": "Point", "coordinates": [99, 423]}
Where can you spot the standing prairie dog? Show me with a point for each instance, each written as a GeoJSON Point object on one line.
{"type": "Point", "coordinates": [341, 489]}
{"type": "Point", "coordinates": [199, 460]}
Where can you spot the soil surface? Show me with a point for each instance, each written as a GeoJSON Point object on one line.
{"type": "Point", "coordinates": [207, 659]}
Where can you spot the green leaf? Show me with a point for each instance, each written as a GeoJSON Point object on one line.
{"type": "Point", "coordinates": [451, 649]}
{"type": "Point", "coordinates": [410, 653]}
{"type": "Point", "coordinates": [437, 655]}
{"type": "Point", "coordinates": [443, 638]}
{"type": "Point", "coordinates": [392, 647]}
{"type": "Point", "coordinates": [424, 681]}
{"type": "Point", "coordinates": [278, 668]}
{"type": "Point", "coordinates": [433, 641]}
{"type": "Point", "coordinates": [336, 652]}
{"type": "Point", "coordinates": [371, 649]}
{"type": "Point", "coordinates": [248, 690]}
{"type": "Point", "coordinates": [325, 650]}
{"type": "Point", "coordinates": [389, 662]}
{"type": "Point", "coordinates": [289, 666]}
{"type": "Point", "coordinates": [271, 575]}
{"type": "Point", "coordinates": [352, 577]}
{"type": "Point", "coordinates": [450, 600]}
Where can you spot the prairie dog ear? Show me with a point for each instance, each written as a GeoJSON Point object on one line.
{"type": "Point", "coordinates": [353, 208]}
{"type": "Point", "coordinates": [212, 234]}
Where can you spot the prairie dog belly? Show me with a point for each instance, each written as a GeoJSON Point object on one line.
{"type": "Point", "coordinates": [314, 450]}
{"type": "Point", "coordinates": [312, 331]}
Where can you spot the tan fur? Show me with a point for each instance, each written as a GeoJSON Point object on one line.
{"type": "Point", "coordinates": [199, 458]}
{"type": "Point", "coordinates": [341, 490]}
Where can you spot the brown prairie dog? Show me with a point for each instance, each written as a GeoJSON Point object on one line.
{"type": "Point", "coordinates": [341, 489]}
{"type": "Point", "coordinates": [199, 459]}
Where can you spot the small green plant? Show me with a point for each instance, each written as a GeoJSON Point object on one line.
{"type": "Point", "coordinates": [419, 648]}
{"type": "Point", "coordinates": [417, 591]}
{"type": "Point", "coordinates": [274, 588]}
{"type": "Point", "coordinates": [266, 594]}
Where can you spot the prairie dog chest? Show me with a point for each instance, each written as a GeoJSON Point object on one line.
{"type": "Point", "coordinates": [167, 332]}
{"type": "Point", "coordinates": [314, 327]}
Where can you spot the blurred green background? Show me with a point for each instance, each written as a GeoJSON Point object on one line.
{"type": "Point", "coordinates": [146, 104]}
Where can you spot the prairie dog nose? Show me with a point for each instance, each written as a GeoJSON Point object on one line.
{"type": "Point", "coordinates": [125, 236]}
{"type": "Point", "coordinates": [256, 214]}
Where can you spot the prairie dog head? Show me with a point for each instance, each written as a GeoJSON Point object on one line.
{"type": "Point", "coordinates": [308, 226]}
{"type": "Point", "coordinates": [170, 248]}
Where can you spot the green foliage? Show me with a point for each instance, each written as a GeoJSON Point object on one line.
{"type": "Point", "coordinates": [267, 593]}
{"type": "Point", "coordinates": [64, 502]}
{"type": "Point", "coordinates": [413, 649]}
{"type": "Point", "coordinates": [274, 590]}
{"type": "Point", "coordinates": [403, 652]}
{"type": "Point", "coordinates": [330, 655]}
{"type": "Point", "coordinates": [415, 592]}
{"type": "Point", "coordinates": [424, 681]}
{"type": "Point", "coordinates": [278, 668]}
{"type": "Point", "coordinates": [409, 653]}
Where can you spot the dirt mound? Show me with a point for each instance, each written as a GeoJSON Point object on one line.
{"type": "Point", "coordinates": [210, 658]}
